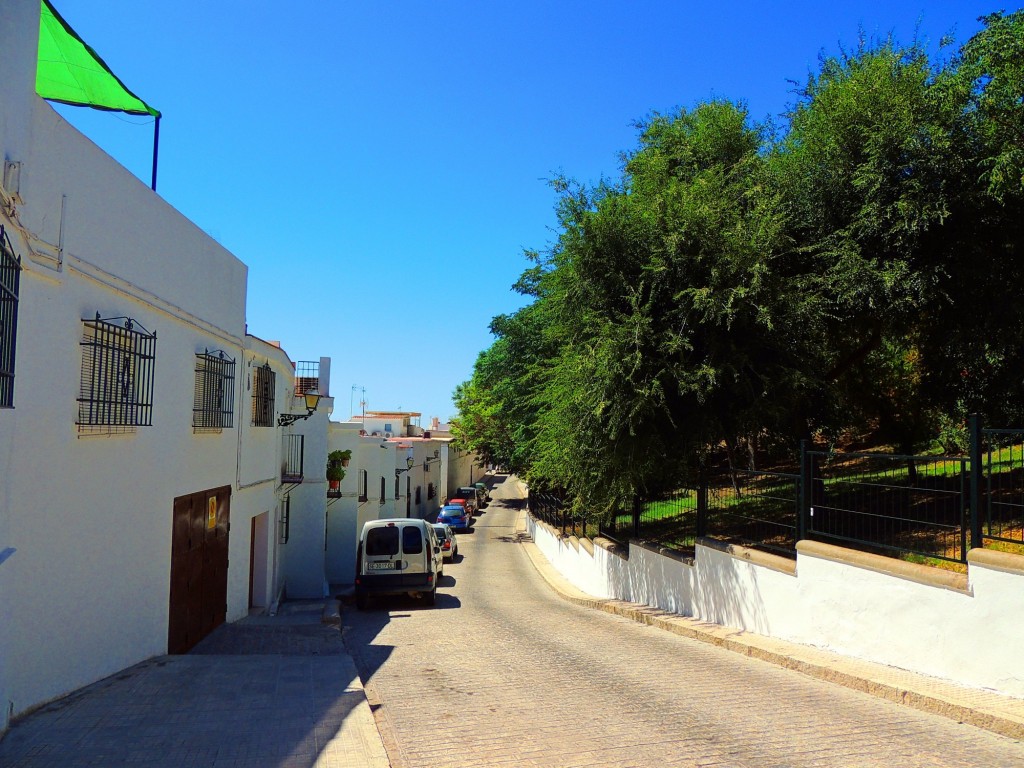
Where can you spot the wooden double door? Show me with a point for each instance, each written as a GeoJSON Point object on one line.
{"type": "Point", "coordinates": [199, 567]}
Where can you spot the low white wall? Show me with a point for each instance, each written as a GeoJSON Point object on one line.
{"type": "Point", "coordinates": [913, 617]}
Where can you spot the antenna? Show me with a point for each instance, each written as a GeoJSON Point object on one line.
{"type": "Point", "coordinates": [362, 400]}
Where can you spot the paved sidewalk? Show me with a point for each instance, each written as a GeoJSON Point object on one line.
{"type": "Point", "coordinates": [277, 691]}
{"type": "Point", "coordinates": [1001, 714]}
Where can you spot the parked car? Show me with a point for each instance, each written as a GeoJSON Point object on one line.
{"type": "Point", "coordinates": [468, 504]}
{"type": "Point", "coordinates": [473, 494]}
{"type": "Point", "coordinates": [396, 556]}
{"type": "Point", "coordinates": [446, 536]}
{"type": "Point", "coordinates": [455, 516]}
{"type": "Point", "coordinates": [486, 491]}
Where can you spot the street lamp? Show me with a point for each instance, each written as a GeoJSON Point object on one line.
{"type": "Point", "coordinates": [410, 462]}
{"type": "Point", "coordinates": [312, 399]}
{"type": "Point", "coordinates": [427, 461]}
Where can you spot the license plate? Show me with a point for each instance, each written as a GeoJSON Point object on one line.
{"type": "Point", "coordinates": [381, 566]}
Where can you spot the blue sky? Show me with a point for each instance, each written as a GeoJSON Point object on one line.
{"type": "Point", "coordinates": [380, 167]}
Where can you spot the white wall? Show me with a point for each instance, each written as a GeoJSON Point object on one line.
{"type": "Point", "coordinates": [900, 614]}
{"type": "Point", "coordinates": [303, 562]}
{"type": "Point", "coordinates": [258, 486]}
{"type": "Point", "coordinates": [379, 458]}
{"type": "Point", "coordinates": [90, 516]}
{"type": "Point", "coordinates": [343, 513]}
{"type": "Point", "coordinates": [461, 470]}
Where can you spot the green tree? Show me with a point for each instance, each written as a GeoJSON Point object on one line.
{"type": "Point", "coordinates": [665, 305]}
{"type": "Point", "coordinates": [860, 270]}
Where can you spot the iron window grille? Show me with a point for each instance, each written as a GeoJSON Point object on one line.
{"type": "Point", "coordinates": [118, 358]}
{"type": "Point", "coordinates": [292, 454]}
{"type": "Point", "coordinates": [263, 385]}
{"type": "Point", "coordinates": [431, 491]}
{"type": "Point", "coordinates": [10, 278]}
{"type": "Point", "coordinates": [214, 406]}
{"type": "Point", "coordinates": [363, 485]}
{"type": "Point", "coordinates": [383, 491]}
{"type": "Point", "coordinates": [307, 377]}
{"type": "Point", "coordinates": [398, 489]}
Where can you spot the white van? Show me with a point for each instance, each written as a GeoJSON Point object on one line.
{"type": "Point", "coordinates": [395, 556]}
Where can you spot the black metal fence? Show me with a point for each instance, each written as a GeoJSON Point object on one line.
{"type": "Point", "coordinates": [754, 508]}
{"type": "Point", "coordinates": [547, 507]}
{"type": "Point", "coordinates": [1000, 459]}
{"type": "Point", "coordinates": [915, 507]}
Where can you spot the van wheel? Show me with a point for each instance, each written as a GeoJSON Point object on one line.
{"type": "Point", "coordinates": [361, 602]}
{"type": "Point", "coordinates": [431, 596]}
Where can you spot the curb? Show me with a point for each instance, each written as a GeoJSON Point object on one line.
{"type": "Point", "coordinates": [331, 613]}
{"type": "Point", "coordinates": [982, 709]}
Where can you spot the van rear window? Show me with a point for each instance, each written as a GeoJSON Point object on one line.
{"type": "Point", "coordinates": [412, 540]}
{"type": "Point", "coordinates": [382, 541]}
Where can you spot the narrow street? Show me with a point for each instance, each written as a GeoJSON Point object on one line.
{"type": "Point", "coordinates": [503, 672]}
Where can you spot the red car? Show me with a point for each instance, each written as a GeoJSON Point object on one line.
{"type": "Point", "coordinates": [467, 503]}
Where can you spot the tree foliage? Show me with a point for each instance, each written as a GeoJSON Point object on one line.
{"type": "Point", "coordinates": [858, 269]}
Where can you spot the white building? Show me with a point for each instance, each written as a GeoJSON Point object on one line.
{"type": "Point", "coordinates": [397, 470]}
{"type": "Point", "coordinates": [141, 449]}
{"type": "Point", "coordinates": [125, 308]}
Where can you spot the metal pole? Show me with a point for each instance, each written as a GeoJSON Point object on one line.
{"type": "Point", "coordinates": [804, 492]}
{"type": "Point", "coordinates": [156, 149]}
{"type": "Point", "coordinates": [702, 506]}
{"type": "Point", "coordinates": [974, 428]}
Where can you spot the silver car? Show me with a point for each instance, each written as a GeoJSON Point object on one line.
{"type": "Point", "coordinates": [446, 538]}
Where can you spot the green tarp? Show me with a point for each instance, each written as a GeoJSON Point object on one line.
{"type": "Point", "coordinates": [71, 72]}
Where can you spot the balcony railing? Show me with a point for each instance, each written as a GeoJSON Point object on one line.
{"type": "Point", "coordinates": [291, 458]}
{"type": "Point", "coordinates": [307, 377]}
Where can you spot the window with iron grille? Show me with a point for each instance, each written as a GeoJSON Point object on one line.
{"type": "Point", "coordinates": [214, 406]}
{"type": "Point", "coordinates": [263, 382]}
{"type": "Point", "coordinates": [116, 393]}
{"type": "Point", "coordinates": [363, 485]}
{"type": "Point", "coordinates": [10, 277]}
{"type": "Point", "coordinates": [431, 491]}
{"type": "Point", "coordinates": [307, 377]}
{"type": "Point", "coordinates": [382, 490]}
{"type": "Point", "coordinates": [398, 490]}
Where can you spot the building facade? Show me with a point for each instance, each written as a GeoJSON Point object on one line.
{"type": "Point", "coordinates": [146, 479]}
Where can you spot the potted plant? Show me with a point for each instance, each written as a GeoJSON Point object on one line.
{"type": "Point", "coordinates": [336, 461]}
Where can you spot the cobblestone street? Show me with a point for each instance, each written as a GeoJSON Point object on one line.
{"type": "Point", "coordinates": [502, 672]}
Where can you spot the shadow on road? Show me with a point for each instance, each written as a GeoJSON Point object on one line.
{"type": "Point", "coordinates": [513, 538]}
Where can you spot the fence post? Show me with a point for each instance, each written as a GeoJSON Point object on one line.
{"type": "Point", "coordinates": [804, 492]}
{"type": "Point", "coordinates": [702, 505]}
{"type": "Point", "coordinates": [974, 429]}
{"type": "Point", "coordinates": [636, 516]}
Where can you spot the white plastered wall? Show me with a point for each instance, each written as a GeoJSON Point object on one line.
{"type": "Point", "coordinates": [258, 489]}
{"type": "Point", "coordinates": [966, 632]}
{"type": "Point", "coordinates": [86, 592]}
{"type": "Point", "coordinates": [303, 555]}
